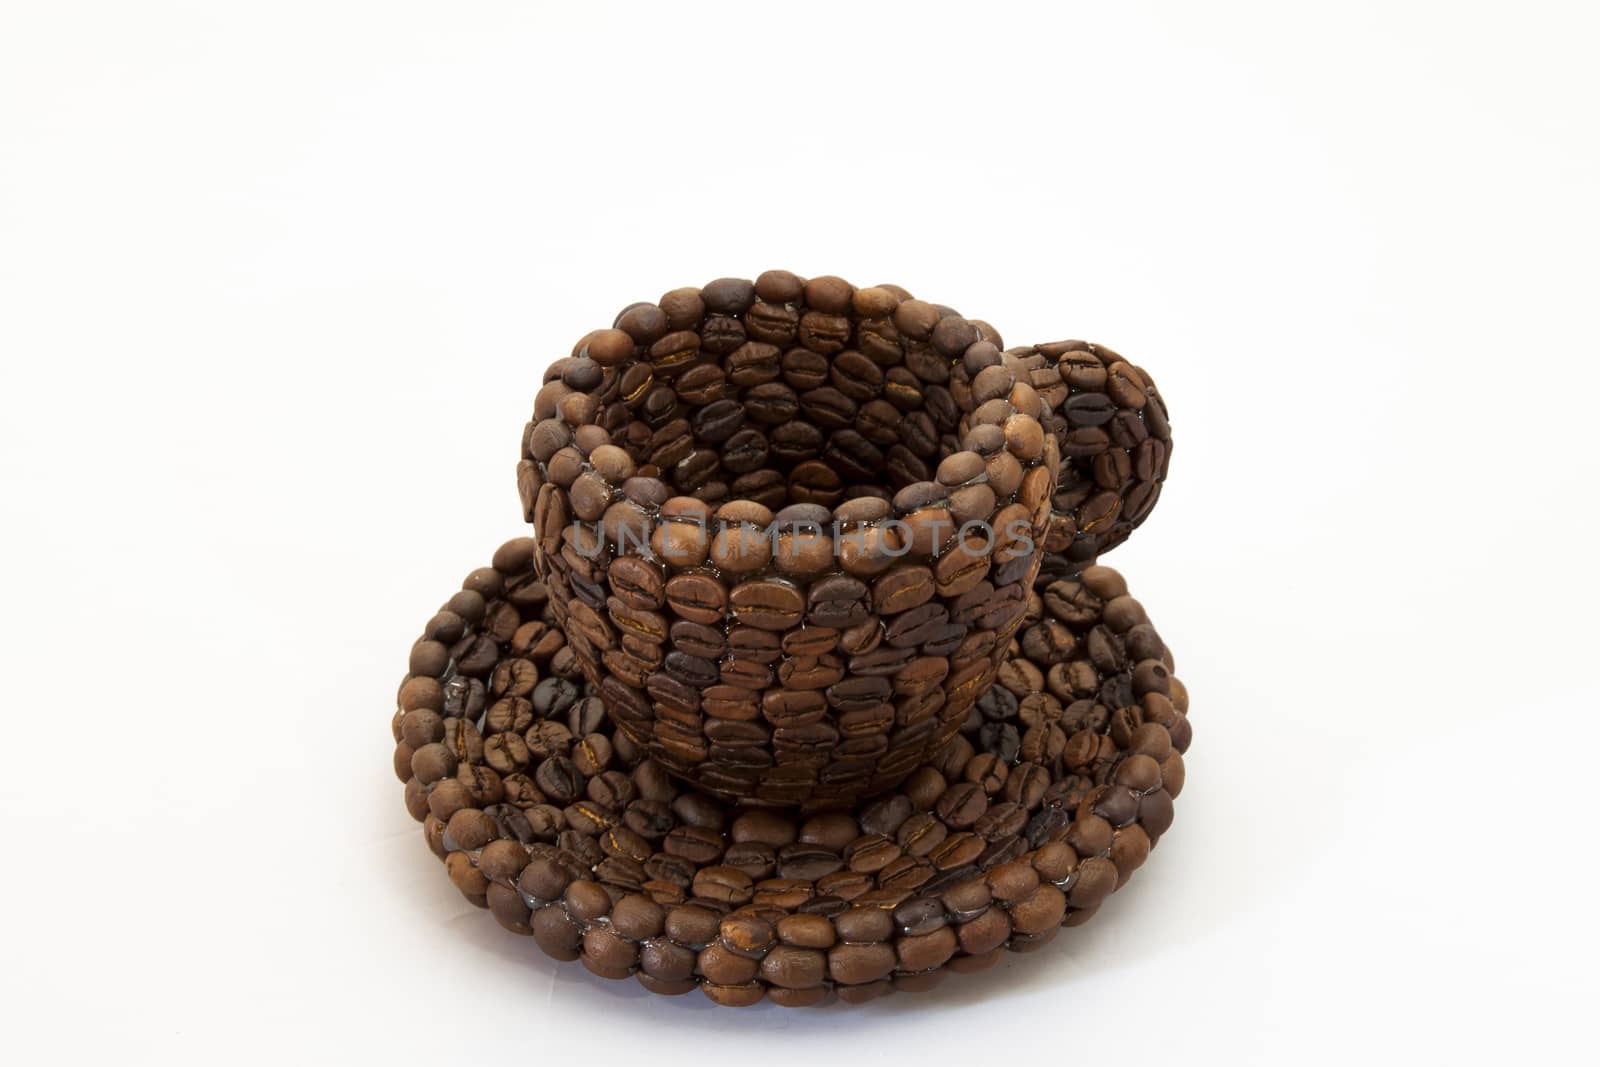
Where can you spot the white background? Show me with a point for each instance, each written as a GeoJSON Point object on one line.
{"type": "Point", "coordinates": [277, 283]}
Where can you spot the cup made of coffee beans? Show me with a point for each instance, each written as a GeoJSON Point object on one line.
{"type": "Point", "coordinates": [789, 526]}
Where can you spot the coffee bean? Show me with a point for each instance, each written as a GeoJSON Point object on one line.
{"type": "Point", "coordinates": [870, 853]}
{"type": "Point", "coordinates": [920, 834]}
{"type": "Point", "coordinates": [557, 933]}
{"type": "Point", "coordinates": [613, 789]}
{"type": "Point", "coordinates": [824, 332]}
{"type": "Point", "coordinates": [1089, 409]}
{"type": "Point", "coordinates": [559, 779]}
{"type": "Point", "coordinates": [696, 597]}
{"type": "Point", "coordinates": [815, 482]}
{"type": "Point", "coordinates": [961, 805]}
{"type": "Point", "coordinates": [925, 952]}
{"type": "Point", "coordinates": [548, 738]}
{"type": "Point", "coordinates": [724, 885]}
{"type": "Point", "coordinates": [808, 862]}
{"type": "Point", "coordinates": [804, 370]}
{"type": "Point", "coordinates": [793, 967]}
{"type": "Point", "coordinates": [747, 935]}
{"type": "Point", "coordinates": [771, 403]}
{"type": "Point", "coordinates": [853, 455]}
{"type": "Point", "coordinates": [637, 582]}
{"type": "Point", "coordinates": [920, 915]}
{"type": "Point", "coordinates": [795, 442]}
{"type": "Point", "coordinates": [902, 588]}
{"type": "Point", "coordinates": [853, 964]}
{"type": "Point", "coordinates": [770, 319]}
{"type": "Point", "coordinates": [768, 604]}
{"type": "Point", "coordinates": [586, 716]}
{"type": "Point", "coordinates": [552, 697]}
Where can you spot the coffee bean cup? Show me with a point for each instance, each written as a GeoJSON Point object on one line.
{"type": "Point", "coordinates": [789, 526]}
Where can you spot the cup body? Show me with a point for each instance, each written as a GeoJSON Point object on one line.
{"type": "Point", "coordinates": [790, 531]}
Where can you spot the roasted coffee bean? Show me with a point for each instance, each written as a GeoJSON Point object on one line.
{"type": "Point", "coordinates": [559, 779]}
{"type": "Point", "coordinates": [637, 581]}
{"type": "Point", "coordinates": [816, 483]}
{"type": "Point", "coordinates": [747, 935]}
{"type": "Point", "coordinates": [757, 861]}
{"type": "Point", "coordinates": [961, 805]}
{"type": "Point", "coordinates": [588, 817]}
{"type": "Point", "coordinates": [688, 474]}
{"type": "Point", "coordinates": [925, 625]}
{"type": "Point", "coordinates": [650, 819]}
{"type": "Point", "coordinates": [506, 753]}
{"type": "Point", "coordinates": [838, 601]}
{"type": "Point", "coordinates": [745, 450]}
{"type": "Point", "coordinates": [808, 862]}
{"type": "Point", "coordinates": [870, 853]}
{"type": "Point", "coordinates": [921, 833]}
{"type": "Point", "coordinates": [902, 588]}
{"type": "Point", "coordinates": [857, 376]}
{"type": "Point", "coordinates": [586, 716]}
{"type": "Point", "coordinates": [920, 915]}
{"type": "Point", "coordinates": [853, 455]}
{"type": "Point", "coordinates": [804, 369]}
{"type": "Point", "coordinates": [548, 738]}
{"type": "Point", "coordinates": [723, 885]}
{"type": "Point", "coordinates": [768, 604]}
{"type": "Point", "coordinates": [828, 408]}
{"type": "Point", "coordinates": [854, 964]}
{"type": "Point", "coordinates": [717, 421]}
{"type": "Point", "coordinates": [612, 789]}
{"type": "Point", "coordinates": [741, 549]}
{"type": "Point", "coordinates": [697, 597]}
{"type": "Point", "coordinates": [753, 363]}
{"type": "Point", "coordinates": [592, 755]}
{"type": "Point", "coordinates": [553, 697]}
{"type": "Point", "coordinates": [702, 384]}
{"type": "Point", "coordinates": [699, 845]}
{"type": "Point", "coordinates": [696, 639]}
{"type": "Point", "coordinates": [545, 821]}
{"type": "Point", "coordinates": [795, 442]}
{"type": "Point", "coordinates": [1000, 739]}
{"type": "Point", "coordinates": [771, 403]}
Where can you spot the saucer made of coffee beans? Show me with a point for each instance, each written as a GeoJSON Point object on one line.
{"type": "Point", "coordinates": [1052, 793]}
{"type": "Point", "coordinates": [696, 423]}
